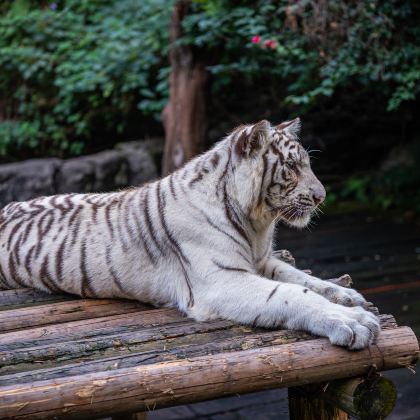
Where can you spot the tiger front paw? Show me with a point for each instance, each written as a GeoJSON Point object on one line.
{"type": "Point", "coordinates": [354, 328]}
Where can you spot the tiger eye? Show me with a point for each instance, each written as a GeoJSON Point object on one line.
{"type": "Point", "coordinates": [291, 164]}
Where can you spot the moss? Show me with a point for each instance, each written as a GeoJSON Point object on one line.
{"type": "Point", "coordinates": [375, 399]}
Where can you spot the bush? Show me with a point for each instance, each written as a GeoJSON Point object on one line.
{"type": "Point", "coordinates": [72, 67]}
{"type": "Point", "coordinates": [316, 46]}
{"type": "Point", "coordinates": [73, 72]}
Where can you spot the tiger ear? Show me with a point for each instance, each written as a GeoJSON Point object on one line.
{"type": "Point", "coordinates": [248, 144]}
{"type": "Point", "coordinates": [291, 128]}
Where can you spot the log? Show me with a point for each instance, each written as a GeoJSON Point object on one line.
{"type": "Point", "coordinates": [148, 341]}
{"type": "Point", "coordinates": [363, 398]}
{"type": "Point", "coordinates": [202, 378]}
{"type": "Point", "coordinates": [200, 343]}
{"type": "Point", "coordinates": [55, 313]}
{"type": "Point", "coordinates": [86, 328]}
{"type": "Point", "coordinates": [367, 398]}
{"type": "Point", "coordinates": [9, 355]}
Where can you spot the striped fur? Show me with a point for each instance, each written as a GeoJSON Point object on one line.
{"type": "Point", "coordinates": [199, 239]}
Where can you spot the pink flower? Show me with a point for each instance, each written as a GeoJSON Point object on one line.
{"type": "Point", "coordinates": [270, 43]}
{"type": "Point", "coordinates": [256, 39]}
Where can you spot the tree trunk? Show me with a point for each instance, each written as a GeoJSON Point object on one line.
{"type": "Point", "coordinates": [184, 116]}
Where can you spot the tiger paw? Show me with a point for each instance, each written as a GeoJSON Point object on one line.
{"type": "Point", "coordinates": [355, 328]}
{"type": "Point", "coordinates": [343, 295]}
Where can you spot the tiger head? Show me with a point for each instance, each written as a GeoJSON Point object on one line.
{"type": "Point", "coordinates": [273, 170]}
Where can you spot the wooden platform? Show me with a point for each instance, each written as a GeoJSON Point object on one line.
{"type": "Point", "coordinates": [66, 357]}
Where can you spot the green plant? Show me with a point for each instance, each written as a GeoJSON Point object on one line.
{"type": "Point", "coordinates": [75, 71]}
{"type": "Point", "coordinates": [395, 187]}
{"type": "Point", "coordinates": [69, 67]}
{"type": "Point", "coordinates": [318, 47]}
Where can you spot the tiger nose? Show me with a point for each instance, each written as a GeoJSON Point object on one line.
{"type": "Point", "coordinates": [318, 194]}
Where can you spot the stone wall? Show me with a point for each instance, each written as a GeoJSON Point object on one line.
{"type": "Point", "coordinates": [128, 164]}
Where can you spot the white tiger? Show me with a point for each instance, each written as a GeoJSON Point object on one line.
{"type": "Point", "coordinates": [199, 239]}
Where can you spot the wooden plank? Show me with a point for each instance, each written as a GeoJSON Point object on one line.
{"type": "Point", "coordinates": [201, 378]}
{"type": "Point", "coordinates": [56, 313]}
{"type": "Point", "coordinates": [18, 297]}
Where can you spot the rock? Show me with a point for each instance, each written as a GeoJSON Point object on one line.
{"type": "Point", "coordinates": [130, 164]}
{"type": "Point", "coordinates": [140, 160]}
{"type": "Point", "coordinates": [110, 170]}
{"type": "Point", "coordinates": [25, 180]}
{"type": "Point", "coordinates": [75, 175]}
{"type": "Point", "coordinates": [101, 172]}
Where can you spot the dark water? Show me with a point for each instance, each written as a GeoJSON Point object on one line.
{"type": "Point", "coordinates": [382, 254]}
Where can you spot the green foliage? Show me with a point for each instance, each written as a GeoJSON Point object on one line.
{"type": "Point", "coordinates": [396, 187]}
{"type": "Point", "coordinates": [318, 47]}
{"type": "Point", "coordinates": [69, 67]}
{"type": "Point", "coordinates": [72, 70]}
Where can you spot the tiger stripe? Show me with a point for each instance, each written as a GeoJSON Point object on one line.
{"type": "Point", "coordinates": [149, 224]}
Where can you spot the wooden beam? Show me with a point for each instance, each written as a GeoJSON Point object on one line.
{"type": "Point", "coordinates": [202, 378]}
{"type": "Point", "coordinates": [371, 397]}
